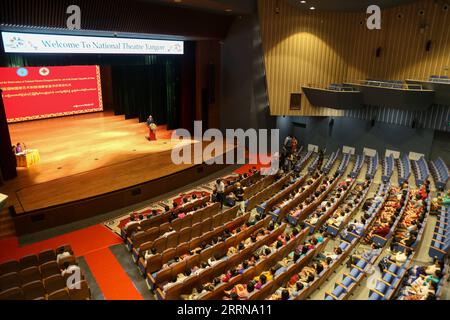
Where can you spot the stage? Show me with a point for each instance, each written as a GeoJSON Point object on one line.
{"type": "Point", "coordinates": [86, 159]}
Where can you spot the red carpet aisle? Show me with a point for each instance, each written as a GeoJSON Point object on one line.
{"type": "Point", "coordinates": [111, 277]}
{"type": "Point", "coordinates": [82, 241]}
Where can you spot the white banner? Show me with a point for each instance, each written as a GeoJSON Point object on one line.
{"type": "Point", "coordinates": [51, 43]}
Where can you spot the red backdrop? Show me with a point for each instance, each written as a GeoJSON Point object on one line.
{"type": "Point", "coordinates": [42, 92]}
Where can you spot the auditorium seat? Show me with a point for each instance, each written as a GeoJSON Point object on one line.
{"type": "Point", "coordinates": [30, 275]}
{"type": "Point", "coordinates": [168, 254]}
{"type": "Point", "coordinates": [206, 226]}
{"type": "Point", "coordinates": [12, 294]}
{"type": "Point", "coordinates": [62, 294]}
{"type": "Point", "coordinates": [54, 283]}
{"type": "Point", "coordinates": [179, 267]}
{"type": "Point", "coordinates": [10, 280]}
{"type": "Point", "coordinates": [182, 248]}
{"type": "Point", "coordinates": [187, 222]}
{"type": "Point", "coordinates": [9, 266]}
{"type": "Point", "coordinates": [196, 230]}
{"type": "Point", "coordinates": [29, 261]}
{"type": "Point", "coordinates": [172, 240]}
{"type": "Point", "coordinates": [46, 256]}
{"type": "Point", "coordinates": [160, 244]}
{"type": "Point", "coordinates": [164, 228]}
{"type": "Point", "coordinates": [80, 291]}
{"type": "Point", "coordinates": [49, 269]}
{"type": "Point", "coordinates": [177, 224]}
{"type": "Point", "coordinates": [34, 290]}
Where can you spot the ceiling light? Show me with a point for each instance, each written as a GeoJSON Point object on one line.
{"type": "Point", "coordinates": [228, 10]}
{"type": "Point", "coordinates": [303, 1]}
{"type": "Point", "coordinates": [312, 8]}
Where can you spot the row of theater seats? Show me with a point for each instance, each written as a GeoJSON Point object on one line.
{"type": "Point", "coordinates": [346, 248]}
{"type": "Point", "coordinates": [137, 237]}
{"type": "Point", "coordinates": [357, 166]}
{"type": "Point", "coordinates": [331, 161]}
{"type": "Point", "coordinates": [360, 267]}
{"type": "Point", "coordinates": [439, 79]}
{"type": "Point", "coordinates": [333, 229]}
{"type": "Point", "coordinates": [421, 171]}
{"type": "Point", "coordinates": [164, 242]}
{"type": "Point", "coordinates": [440, 245]}
{"type": "Point", "coordinates": [300, 164]}
{"type": "Point", "coordinates": [381, 241]}
{"type": "Point", "coordinates": [372, 211]}
{"type": "Point", "coordinates": [224, 264]}
{"type": "Point", "coordinates": [404, 168]}
{"type": "Point", "coordinates": [156, 277]}
{"type": "Point", "coordinates": [39, 277]}
{"type": "Point", "coordinates": [344, 163]}
{"type": "Point", "coordinates": [373, 166]}
{"type": "Point", "coordinates": [397, 84]}
{"type": "Point", "coordinates": [392, 278]}
{"type": "Point", "coordinates": [314, 163]}
{"type": "Point", "coordinates": [440, 173]}
{"type": "Point", "coordinates": [394, 273]}
{"type": "Point", "coordinates": [388, 168]}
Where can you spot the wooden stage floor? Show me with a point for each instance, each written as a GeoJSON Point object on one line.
{"type": "Point", "coordinates": [85, 156]}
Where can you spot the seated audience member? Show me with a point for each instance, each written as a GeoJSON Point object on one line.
{"type": "Point", "coordinates": [70, 269]}
{"type": "Point", "coordinates": [133, 221]}
{"type": "Point", "coordinates": [61, 254]}
{"type": "Point", "coordinates": [149, 253]}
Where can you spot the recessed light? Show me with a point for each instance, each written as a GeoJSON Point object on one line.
{"type": "Point", "coordinates": [228, 10]}
{"type": "Point", "coordinates": [312, 8]}
{"type": "Point", "coordinates": [303, 1]}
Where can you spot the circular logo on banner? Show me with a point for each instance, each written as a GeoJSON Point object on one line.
{"type": "Point", "coordinates": [22, 72]}
{"type": "Point", "coordinates": [44, 71]}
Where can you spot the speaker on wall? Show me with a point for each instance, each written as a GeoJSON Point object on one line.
{"type": "Point", "coordinates": [428, 46]}
{"type": "Point", "coordinates": [378, 52]}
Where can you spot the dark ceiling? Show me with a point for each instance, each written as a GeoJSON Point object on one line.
{"type": "Point", "coordinates": [347, 5]}
{"type": "Point", "coordinates": [238, 7]}
{"type": "Point", "coordinates": [232, 7]}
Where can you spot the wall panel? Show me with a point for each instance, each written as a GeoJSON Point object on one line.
{"type": "Point", "coordinates": [318, 48]}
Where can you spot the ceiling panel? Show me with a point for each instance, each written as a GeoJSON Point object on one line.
{"type": "Point", "coordinates": [346, 5]}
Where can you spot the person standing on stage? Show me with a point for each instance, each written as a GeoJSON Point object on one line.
{"type": "Point", "coordinates": [151, 128]}
{"type": "Point", "coordinates": [220, 189]}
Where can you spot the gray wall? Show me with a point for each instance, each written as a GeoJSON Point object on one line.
{"type": "Point", "coordinates": [244, 96]}
{"type": "Point", "coordinates": [359, 134]}
{"type": "Point", "coordinates": [245, 105]}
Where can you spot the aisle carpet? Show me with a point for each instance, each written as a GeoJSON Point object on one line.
{"type": "Point", "coordinates": [111, 277]}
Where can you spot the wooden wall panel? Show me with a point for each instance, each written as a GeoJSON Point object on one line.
{"type": "Point", "coordinates": [318, 48]}
{"type": "Point", "coordinates": [403, 44]}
